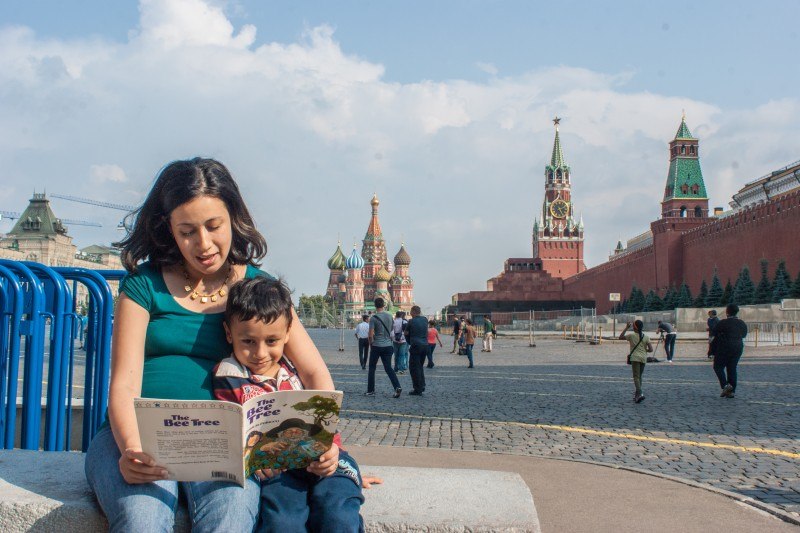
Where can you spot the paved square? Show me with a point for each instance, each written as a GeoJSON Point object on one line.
{"type": "Point", "coordinates": [572, 400]}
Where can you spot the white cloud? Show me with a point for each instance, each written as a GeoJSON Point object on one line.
{"type": "Point", "coordinates": [101, 173]}
{"type": "Point", "coordinates": [311, 132]}
{"type": "Point", "coordinates": [488, 68]}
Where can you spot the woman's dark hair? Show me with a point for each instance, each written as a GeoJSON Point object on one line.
{"type": "Point", "coordinates": [149, 236]}
{"type": "Point", "coordinates": [638, 326]}
{"type": "Point", "coordinates": [262, 298]}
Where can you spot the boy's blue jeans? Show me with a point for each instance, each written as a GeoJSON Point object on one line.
{"type": "Point", "coordinates": [297, 500]}
{"type": "Point", "coordinates": [213, 505]}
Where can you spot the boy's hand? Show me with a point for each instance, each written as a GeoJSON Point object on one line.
{"type": "Point", "coordinates": [326, 464]}
{"type": "Point", "coordinates": [267, 473]}
{"type": "Point", "coordinates": [368, 481]}
{"type": "Point", "coordinates": [138, 467]}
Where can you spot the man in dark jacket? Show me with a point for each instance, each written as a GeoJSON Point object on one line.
{"type": "Point", "coordinates": [417, 334]}
{"type": "Point", "coordinates": [727, 347]}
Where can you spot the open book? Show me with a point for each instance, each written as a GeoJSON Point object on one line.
{"type": "Point", "coordinates": [205, 440]}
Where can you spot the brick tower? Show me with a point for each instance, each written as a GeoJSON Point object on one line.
{"type": "Point", "coordinates": [557, 236]}
{"type": "Point", "coordinates": [373, 251]}
{"type": "Point", "coordinates": [685, 206]}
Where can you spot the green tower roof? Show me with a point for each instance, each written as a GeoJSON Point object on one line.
{"type": "Point", "coordinates": [683, 131]}
{"type": "Point", "coordinates": [557, 158]}
{"type": "Point", "coordinates": [38, 219]}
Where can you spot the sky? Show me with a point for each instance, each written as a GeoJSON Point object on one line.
{"type": "Point", "coordinates": [442, 108]}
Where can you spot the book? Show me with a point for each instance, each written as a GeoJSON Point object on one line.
{"type": "Point", "coordinates": [212, 440]}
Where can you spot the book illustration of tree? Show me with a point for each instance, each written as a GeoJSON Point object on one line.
{"type": "Point", "coordinates": [321, 408]}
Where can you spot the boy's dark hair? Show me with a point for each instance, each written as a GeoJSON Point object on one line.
{"type": "Point", "coordinates": [364, 317]}
{"type": "Point", "coordinates": [732, 310]}
{"type": "Point", "coordinates": [416, 310]}
{"type": "Point", "coordinates": [379, 303]}
{"type": "Point", "coordinates": [149, 236]}
{"type": "Point", "coordinates": [262, 298]}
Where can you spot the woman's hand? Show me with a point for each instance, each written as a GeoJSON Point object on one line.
{"type": "Point", "coordinates": [138, 467]}
{"type": "Point", "coordinates": [326, 464]}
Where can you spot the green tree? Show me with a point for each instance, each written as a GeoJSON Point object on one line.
{"type": "Point", "coordinates": [714, 297]}
{"type": "Point", "coordinates": [796, 287]}
{"type": "Point", "coordinates": [652, 301]}
{"type": "Point", "coordinates": [684, 298]}
{"type": "Point", "coordinates": [322, 409]}
{"type": "Point", "coordinates": [636, 300]}
{"type": "Point", "coordinates": [700, 301]}
{"type": "Point", "coordinates": [744, 290]}
{"type": "Point", "coordinates": [782, 286]}
{"type": "Point", "coordinates": [763, 293]}
{"type": "Point", "coordinates": [670, 298]}
{"type": "Point", "coordinates": [727, 294]}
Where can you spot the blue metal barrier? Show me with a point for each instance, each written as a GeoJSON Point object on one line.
{"type": "Point", "coordinates": [31, 294]}
{"type": "Point", "coordinates": [97, 345]}
{"type": "Point", "coordinates": [32, 328]}
{"type": "Point", "coordinates": [11, 307]}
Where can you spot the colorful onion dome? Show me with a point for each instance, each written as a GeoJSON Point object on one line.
{"type": "Point", "coordinates": [336, 262]}
{"type": "Point", "coordinates": [383, 275]}
{"type": "Point", "coordinates": [355, 260]}
{"type": "Point", "coordinates": [402, 257]}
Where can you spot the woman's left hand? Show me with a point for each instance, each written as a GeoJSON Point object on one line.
{"type": "Point", "coordinates": [326, 464]}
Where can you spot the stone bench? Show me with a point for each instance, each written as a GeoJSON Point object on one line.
{"type": "Point", "coordinates": [47, 491]}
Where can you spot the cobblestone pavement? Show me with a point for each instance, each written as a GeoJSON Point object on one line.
{"type": "Point", "coordinates": [572, 400]}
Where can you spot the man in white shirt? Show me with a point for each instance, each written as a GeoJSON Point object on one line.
{"type": "Point", "coordinates": [362, 334]}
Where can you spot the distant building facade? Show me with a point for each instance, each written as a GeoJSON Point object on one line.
{"type": "Point", "coordinates": [686, 244]}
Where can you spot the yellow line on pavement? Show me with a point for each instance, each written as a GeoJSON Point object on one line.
{"type": "Point", "coordinates": [598, 432]}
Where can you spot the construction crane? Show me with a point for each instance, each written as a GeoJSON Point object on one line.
{"type": "Point", "coordinates": [109, 205]}
{"type": "Point", "coordinates": [13, 215]}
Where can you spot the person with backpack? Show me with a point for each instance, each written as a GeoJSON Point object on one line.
{"type": "Point", "coordinates": [637, 358]}
{"type": "Point", "coordinates": [399, 341]}
{"type": "Point", "coordinates": [380, 340]}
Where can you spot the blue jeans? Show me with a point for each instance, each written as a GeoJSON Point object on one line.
{"type": "Point", "coordinates": [400, 356]}
{"type": "Point", "coordinates": [363, 352]}
{"type": "Point", "coordinates": [297, 500]}
{"type": "Point", "coordinates": [431, 348]}
{"type": "Point", "coordinates": [669, 345]}
{"type": "Point", "coordinates": [469, 354]}
{"type": "Point", "coordinates": [213, 505]}
{"type": "Point", "coordinates": [384, 353]}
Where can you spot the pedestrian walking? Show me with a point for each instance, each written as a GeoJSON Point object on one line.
{"type": "Point", "coordinates": [469, 335]}
{"type": "Point", "coordinates": [400, 343]}
{"type": "Point", "coordinates": [711, 323]}
{"type": "Point", "coordinates": [380, 340]}
{"type": "Point", "coordinates": [433, 338]}
{"type": "Point", "coordinates": [727, 348]}
{"type": "Point", "coordinates": [456, 333]}
{"type": "Point", "coordinates": [488, 333]}
{"type": "Point", "coordinates": [669, 338]}
{"type": "Point", "coordinates": [83, 321]}
{"type": "Point", "coordinates": [362, 334]}
{"type": "Point", "coordinates": [418, 341]}
{"type": "Point", "coordinates": [637, 358]}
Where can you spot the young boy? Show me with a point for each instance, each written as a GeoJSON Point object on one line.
{"type": "Point", "coordinates": [326, 496]}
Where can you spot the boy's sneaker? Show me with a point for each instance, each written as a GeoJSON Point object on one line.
{"type": "Point", "coordinates": [639, 399]}
{"type": "Point", "coordinates": [397, 392]}
{"type": "Point", "coordinates": [368, 393]}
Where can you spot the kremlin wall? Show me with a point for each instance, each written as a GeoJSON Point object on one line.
{"type": "Point", "coordinates": [685, 245]}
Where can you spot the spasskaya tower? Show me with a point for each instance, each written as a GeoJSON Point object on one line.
{"type": "Point", "coordinates": [557, 236]}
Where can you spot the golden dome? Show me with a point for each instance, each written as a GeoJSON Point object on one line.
{"type": "Point", "coordinates": [375, 202]}
{"type": "Point", "coordinates": [383, 275]}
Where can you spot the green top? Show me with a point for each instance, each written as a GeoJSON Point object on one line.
{"type": "Point", "coordinates": [639, 354]}
{"type": "Point", "coordinates": [181, 346]}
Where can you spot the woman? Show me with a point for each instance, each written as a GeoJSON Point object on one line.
{"type": "Point", "coordinates": [192, 238]}
{"type": "Point", "coordinates": [637, 358]}
{"type": "Point", "coordinates": [470, 333]}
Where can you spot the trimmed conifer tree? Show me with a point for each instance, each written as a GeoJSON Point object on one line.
{"type": "Point", "coordinates": [636, 301]}
{"type": "Point", "coordinates": [714, 297]}
{"type": "Point", "coordinates": [782, 286]}
{"type": "Point", "coordinates": [796, 287]}
{"type": "Point", "coordinates": [727, 294]}
{"type": "Point", "coordinates": [744, 290]}
{"type": "Point", "coordinates": [670, 297]}
{"type": "Point", "coordinates": [763, 293]}
{"type": "Point", "coordinates": [684, 298]}
{"type": "Point", "coordinates": [652, 301]}
{"type": "Point", "coordinates": [700, 301]}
